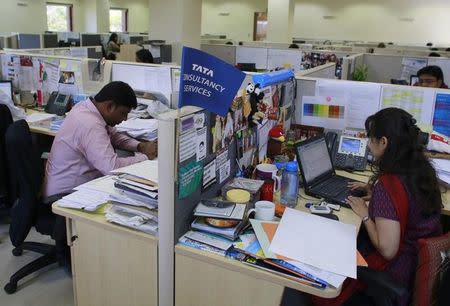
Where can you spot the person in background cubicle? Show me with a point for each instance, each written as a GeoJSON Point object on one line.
{"type": "Point", "coordinates": [294, 46]}
{"type": "Point", "coordinates": [381, 45]}
{"type": "Point", "coordinates": [404, 206]}
{"type": "Point", "coordinates": [229, 43]}
{"type": "Point", "coordinates": [431, 76]}
{"type": "Point", "coordinates": [83, 148]}
{"type": "Point", "coordinates": [144, 56]}
{"type": "Point", "coordinates": [434, 54]}
{"type": "Point", "coordinates": [112, 47]}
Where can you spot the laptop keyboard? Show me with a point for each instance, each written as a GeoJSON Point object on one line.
{"type": "Point", "coordinates": [332, 187]}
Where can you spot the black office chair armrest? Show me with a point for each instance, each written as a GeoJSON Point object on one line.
{"type": "Point", "coordinates": [381, 286]}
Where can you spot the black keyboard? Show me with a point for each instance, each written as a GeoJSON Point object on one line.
{"type": "Point", "coordinates": [331, 187]}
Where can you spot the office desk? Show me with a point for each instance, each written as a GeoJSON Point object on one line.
{"type": "Point", "coordinates": [40, 128]}
{"type": "Point", "coordinates": [203, 279]}
{"type": "Point", "coordinates": [111, 265]}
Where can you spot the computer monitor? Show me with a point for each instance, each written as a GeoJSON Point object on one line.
{"type": "Point", "coordinates": [413, 80]}
{"type": "Point", "coordinates": [251, 67]}
{"type": "Point", "coordinates": [7, 88]}
{"type": "Point", "coordinates": [91, 40]}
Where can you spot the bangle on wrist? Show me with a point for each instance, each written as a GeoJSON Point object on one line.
{"type": "Point", "coordinates": [365, 219]}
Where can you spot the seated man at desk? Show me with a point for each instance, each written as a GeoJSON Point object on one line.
{"type": "Point", "coordinates": [84, 147]}
{"type": "Point", "coordinates": [431, 76]}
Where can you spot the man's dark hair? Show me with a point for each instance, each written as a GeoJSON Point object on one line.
{"type": "Point", "coordinates": [119, 92]}
{"type": "Point", "coordinates": [434, 54]}
{"type": "Point", "coordinates": [429, 44]}
{"type": "Point", "coordinates": [293, 46]}
{"type": "Point", "coordinates": [145, 56]}
{"type": "Point", "coordinates": [435, 71]}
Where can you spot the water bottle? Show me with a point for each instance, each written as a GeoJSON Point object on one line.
{"type": "Point", "coordinates": [289, 184]}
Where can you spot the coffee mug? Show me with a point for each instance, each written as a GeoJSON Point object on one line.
{"type": "Point", "coordinates": [268, 172]}
{"type": "Point", "coordinates": [264, 210]}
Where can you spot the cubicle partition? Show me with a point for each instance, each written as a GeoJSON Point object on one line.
{"type": "Point", "coordinates": [23, 69]}
{"type": "Point", "coordinates": [361, 99]}
{"type": "Point", "coordinates": [326, 71]}
{"type": "Point", "coordinates": [226, 53]}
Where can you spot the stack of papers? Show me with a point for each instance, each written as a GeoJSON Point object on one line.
{"type": "Point", "coordinates": [231, 233]}
{"type": "Point", "coordinates": [442, 167]}
{"type": "Point", "coordinates": [320, 242]}
{"type": "Point", "coordinates": [38, 116]}
{"type": "Point", "coordinates": [140, 128]}
{"type": "Point", "coordinates": [133, 218]}
{"type": "Point", "coordinates": [83, 199]}
{"type": "Point", "coordinates": [132, 191]}
{"type": "Point", "coordinates": [147, 171]}
{"type": "Point", "coordinates": [56, 124]}
{"type": "Point", "coordinates": [220, 209]}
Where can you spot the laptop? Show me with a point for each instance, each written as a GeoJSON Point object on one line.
{"type": "Point", "coordinates": [319, 177]}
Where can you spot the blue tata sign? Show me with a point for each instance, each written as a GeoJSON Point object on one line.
{"type": "Point", "coordinates": [207, 81]}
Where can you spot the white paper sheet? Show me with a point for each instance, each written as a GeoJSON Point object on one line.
{"type": "Point", "coordinates": [188, 145]}
{"type": "Point", "coordinates": [323, 243]}
{"type": "Point", "coordinates": [79, 52]}
{"type": "Point", "coordinates": [333, 279]}
{"type": "Point", "coordinates": [417, 101]}
{"type": "Point", "coordinates": [147, 169]}
{"type": "Point", "coordinates": [363, 98]}
{"type": "Point", "coordinates": [36, 117]}
{"type": "Point", "coordinates": [83, 199]}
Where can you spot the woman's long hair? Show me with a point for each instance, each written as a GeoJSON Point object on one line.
{"type": "Point", "coordinates": [404, 156]}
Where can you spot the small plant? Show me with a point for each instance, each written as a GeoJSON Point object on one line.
{"type": "Point", "coordinates": [361, 73]}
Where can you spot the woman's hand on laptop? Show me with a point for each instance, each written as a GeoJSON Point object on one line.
{"type": "Point", "coordinates": [358, 205]}
{"type": "Point", "coordinates": [361, 190]}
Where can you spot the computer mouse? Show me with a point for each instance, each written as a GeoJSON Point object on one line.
{"type": "Point", "coordinates": [359, 192]}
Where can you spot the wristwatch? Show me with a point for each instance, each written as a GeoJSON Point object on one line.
{"type": "Point", "coordinates": [365, 219]}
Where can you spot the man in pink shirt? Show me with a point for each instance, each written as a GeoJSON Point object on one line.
{"type": "Point", "coordinates": [84, 147]}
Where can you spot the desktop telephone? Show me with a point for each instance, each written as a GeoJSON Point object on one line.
{"type": "Point", "coordinates": [347, 152]}
{"type": "Point", "coordinates": [58, 103]}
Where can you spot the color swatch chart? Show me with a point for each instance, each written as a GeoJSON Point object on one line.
{"type": "Point", "coordinates": [323, 111]}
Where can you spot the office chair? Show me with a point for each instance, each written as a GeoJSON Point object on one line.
{"type": "Point", "coordinates": [6, 197]}
{"type": "Point", "coordinates": [382, 290]}
{"type": "Point", "coordinates": [28, 211]}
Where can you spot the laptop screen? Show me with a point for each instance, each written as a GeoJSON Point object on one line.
{"type": "Point", "coordinates": [6, 87]}
{"type": "Point", "coordinates": [314, 159]}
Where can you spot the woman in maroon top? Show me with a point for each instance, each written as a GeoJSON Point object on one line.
{"type": "Point", "coordinates": [404, 205]}
{"type": "Point", "coordinates": [405, 200]}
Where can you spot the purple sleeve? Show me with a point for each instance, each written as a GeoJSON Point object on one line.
{"type": "Point", "coordinates": [381, 204]}
{"type": "Point", "coordinates": [122, 141]}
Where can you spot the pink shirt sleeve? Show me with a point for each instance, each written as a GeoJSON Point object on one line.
{"type": "Point", "coordinates": [122, 141]}
{"type": "Point", "coordinates": [97, 147]}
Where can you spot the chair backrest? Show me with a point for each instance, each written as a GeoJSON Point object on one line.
{"type": "Point", "coordinates": [24, 161]}
{"type": "Point", "coordinates": [428, 269]}
{"type": "Point", "coordinates": [5, 189]}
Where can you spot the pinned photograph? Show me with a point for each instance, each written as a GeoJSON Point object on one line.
{"type": "Point", "coordinates": [67, 77]}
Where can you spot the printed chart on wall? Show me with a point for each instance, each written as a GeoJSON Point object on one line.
{"type": "Point", "coordinates": [441, 119]}
{"type": "Point", "coordinates": [324, 111]}
{"type": "Point", "coordinates": [417, 102]}
{"type": "Point", "coordinates": [363, 99]}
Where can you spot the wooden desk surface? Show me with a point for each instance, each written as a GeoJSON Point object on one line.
{"type": "Point", "coordinates": [40, 128]}
{"type": "Point", "coordinates": [99, 219]}
{"type": "Point", "coordinates": [345, 215]}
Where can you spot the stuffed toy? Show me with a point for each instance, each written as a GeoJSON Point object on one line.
{"type": "Point", "coordinates": [256, 96]}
